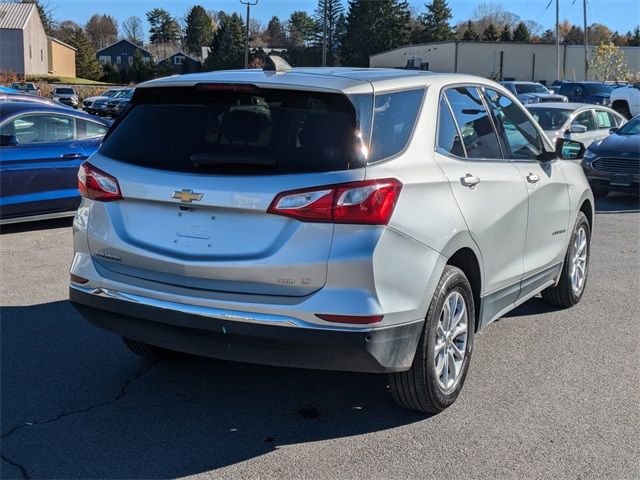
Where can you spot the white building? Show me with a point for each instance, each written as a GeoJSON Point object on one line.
{"type": "Point", "coordinates": [499, 60]}
{"type": "Point", "coordinates": [23, 41]}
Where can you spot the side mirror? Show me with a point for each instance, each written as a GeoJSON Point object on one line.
{"type": "Point", "coordinates": [613, 129]}
{"type": "Point", "coordinates": [569, 149]}
{"type": "Point", "coordinates": [577, 128]}
{"type": "Point", "coordinates": [8, 140]}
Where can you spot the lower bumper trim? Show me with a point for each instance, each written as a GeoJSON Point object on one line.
{"type": "Point", "coordinates": [387, 349]}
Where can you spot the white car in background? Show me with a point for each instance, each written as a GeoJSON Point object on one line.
{"type": "Point", "coordinates": [582, 122]}
{"type": "Point", "coordinates": [626, 100]}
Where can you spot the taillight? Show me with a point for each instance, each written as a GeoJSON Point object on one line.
{"type": "Point", "coordinates": [369, 202]}
{"type": "Point", "coordinates": [95, 184]}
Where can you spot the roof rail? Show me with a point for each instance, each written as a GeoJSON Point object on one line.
{"type": "Point", "coordinates": [274, 63]}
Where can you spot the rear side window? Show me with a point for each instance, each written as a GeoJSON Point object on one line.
{"type": "Point", "coordinates": [238, 129]}
{"type": "Point", "coordinates": [87, 129]}
{"type": "Point", "coordinates": [394, 117]}
{"type": "Point", "coordinates": [448, 136]}
{"type": "Point", "coordinates": [478, 135]}
{"type": "Point", "coordinates": [605, 119]}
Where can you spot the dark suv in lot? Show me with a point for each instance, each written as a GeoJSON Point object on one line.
{"type": "Point", "coordinates": [585, 92]}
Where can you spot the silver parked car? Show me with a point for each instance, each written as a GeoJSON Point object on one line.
{"type": "Point", "coordinates": [533, 92]}
{"type": "Point", "coordinates": [367, 220]}
{"type": "Point", "coordinates": [581, 122]}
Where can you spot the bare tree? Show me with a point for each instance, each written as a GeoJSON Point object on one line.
{"type": "Point", "coordinates": [256, 33]}
{"type": "Point", "coordinates": [486, 14]}
{"type": "Point", "coordinates": [102, 30]}
{"type": "Point", "coordinates": [133, 30]}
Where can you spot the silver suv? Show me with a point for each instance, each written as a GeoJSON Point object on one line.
{"type": "Point", "coordinates": [341, 219]}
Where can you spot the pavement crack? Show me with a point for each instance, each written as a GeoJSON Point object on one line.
{"type": "Point", "coordinates": [121, 394]}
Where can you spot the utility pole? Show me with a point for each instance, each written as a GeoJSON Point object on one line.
{"type": "Point", "coordinates": [586, 41]}
{"type": "Point", "coordinates": [249, 4]}
{"type": "Point", "coordinates": [324, 36]}
{"type": "Point", "coordinates": [558, 39]}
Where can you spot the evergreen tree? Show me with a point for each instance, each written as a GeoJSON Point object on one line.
{"type": "Point", "coordinates": [275, 33]}
{"type": "Point", "coordinates": [521, 33]}
{"type": "Point", "coordinates": [164, 28]}
{"type": "Point", "coordinates": [470, 33]}
{"type": "Point", "coordinates": [335, 10]}
{"type": "Point", "coordinates": [374, 27]}
{"type": "Point", "coordinates": [110, 74]}
{"type": "Point", "coordinates": [227, 46]}
{"type": "Point", "coordinates": [490, 33]}
{"type": "Point", "coordinates": [548, 36]}
{"type": "Point", "coordinates": [435, 23]}
{"type": "Point", "coordinates": [505, 34]}
{"type": "Point", "coordinates": [198, 30]}
{"type": "Point", "coordinates": [633, 39]}
{"type": "Point", "coordinates": [301, 29]}
{"type": "Point", "coordinates": [139, 71]}
{"type": "Point", "coordinates": [87, 65]}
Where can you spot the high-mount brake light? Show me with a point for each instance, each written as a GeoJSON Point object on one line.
{"type": "Point", "coordinates": [369, 202]}
{"type": "Point", "coordinates": [227, 87]}
{"type": "Point", "coordinates": [95, 184]}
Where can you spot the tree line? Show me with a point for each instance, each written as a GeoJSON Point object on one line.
{"type": "Point", "coordinates": [363, 28]}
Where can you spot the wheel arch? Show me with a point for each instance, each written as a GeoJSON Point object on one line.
{"type": "Point", "coordinates": [586, 207]}
{"type": "Point", "coordinates": [466, 260]}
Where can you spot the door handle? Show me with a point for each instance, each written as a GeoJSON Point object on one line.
{"type": "Point", "coordinates": [533, 178]}
{"type": "Point", "coordinates": [470, 181]}
{"type": "Point", "coordinates": [71, 156]}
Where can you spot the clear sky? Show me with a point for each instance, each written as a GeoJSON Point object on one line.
{"type": "Point", "coordinates": [621, 15]}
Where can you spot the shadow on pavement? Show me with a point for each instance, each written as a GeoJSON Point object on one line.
{"type": "Point", "coordinates": [618, 203]}
{"type": "Point", "coordinates": [35, 226]}
{"type": "Point", "coordinates": [534, 306]}
{"type": "Point", "coordinates": [97, 411]}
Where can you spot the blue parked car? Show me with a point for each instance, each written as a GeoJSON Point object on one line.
{"type": "Point", "coordinates": [41, 149]}
{"type": "Point", "coordinates": [597, 93]}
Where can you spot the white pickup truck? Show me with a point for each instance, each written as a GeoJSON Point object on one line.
{"type": "Point", "coordinates": [626, 100]}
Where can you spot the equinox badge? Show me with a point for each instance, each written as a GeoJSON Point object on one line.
{"type": "Point", "coordinates": [186, 196]}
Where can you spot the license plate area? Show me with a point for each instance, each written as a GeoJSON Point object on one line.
{"type": "Point", "coordinates": [620, 180]}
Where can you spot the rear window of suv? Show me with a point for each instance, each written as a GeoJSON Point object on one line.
{"type": "Point", "coordinates": [238, 129]}
{"type": "Point", "coordinates": [244, 129]}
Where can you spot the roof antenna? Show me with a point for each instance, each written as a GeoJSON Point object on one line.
{"type": "Point", "coordinates": [274, 63]}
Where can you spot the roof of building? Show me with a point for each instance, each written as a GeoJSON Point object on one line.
{"type": "Point", "coordinates": [178, 53]}
{"type": "Point", "coordinates": [125, 41]}
{"type": "Point", "coordinates": [14, 16]}
{"type": "Point", "coordinates": [54, 39]}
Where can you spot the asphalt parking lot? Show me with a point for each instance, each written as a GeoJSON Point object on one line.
{"type": "Point", "coordinates": [550, 394]}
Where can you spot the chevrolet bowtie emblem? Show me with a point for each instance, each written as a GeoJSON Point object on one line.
{"type": "Point", "coordinates": [186, 196]}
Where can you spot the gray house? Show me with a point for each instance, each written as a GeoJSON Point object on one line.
{"type": "Point", "coordinates": [179, 62]}
{"type": "Point", "coordinates": [121, 54]}
{"type": "Point", "coordinates": [23, 41]}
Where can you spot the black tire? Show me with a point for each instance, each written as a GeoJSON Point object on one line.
{"type": "Point", "coordinates": [150, 352]}
{"type": "Point", "coordinates": [562, 295]}
{"type": "Point", "coordinates": [418, 388]}
{"type": "Point", "coordinates": [599, 192]}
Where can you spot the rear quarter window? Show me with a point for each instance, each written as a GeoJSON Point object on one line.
{"type": "Point", "coordinates": [394, 118]}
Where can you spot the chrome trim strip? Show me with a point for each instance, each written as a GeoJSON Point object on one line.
{"type": "Point", "coordinates": [35, 218]}
{"type": "Point", "coordinates": [231, 315]}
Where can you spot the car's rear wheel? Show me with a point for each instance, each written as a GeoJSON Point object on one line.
{"type": "Point", "coordinates": [442, 358]}
{"type": "Point", "coordinates": [150, 352]}
{"type": "Point", "coordinates": [575, 270]}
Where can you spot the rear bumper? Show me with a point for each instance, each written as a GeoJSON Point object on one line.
{"type": "Point", "coordinates": [376, 350]}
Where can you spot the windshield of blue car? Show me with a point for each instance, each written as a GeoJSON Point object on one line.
{"type": "Point", "coordinates": [550, 118]}
{"type": "Point", "coordinates": [598, 88]}
{"type": "Point", "coordinates": [632, 127]}
{"type": "Point", "coordinates": [530, 88]}
{"type": "Point", "coordinates": [23, 86]}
